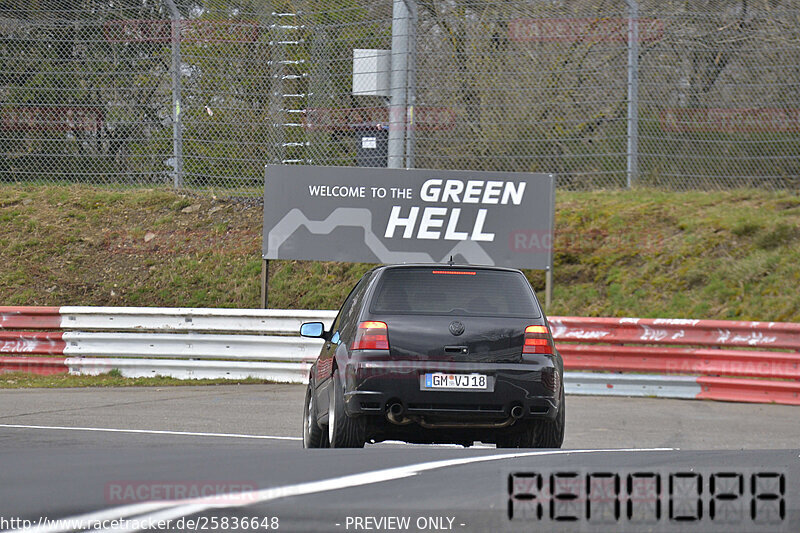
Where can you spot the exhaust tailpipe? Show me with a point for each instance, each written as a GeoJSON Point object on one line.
{"type": "Point", "coordinates": [395, 414]}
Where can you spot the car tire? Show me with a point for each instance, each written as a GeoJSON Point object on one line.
{"type": "Point", "coordinates": [550, 433]}
{"type": "Point", "coordinates": [313, 435]}
{"type": "Point", "coordinates": [343, 431]}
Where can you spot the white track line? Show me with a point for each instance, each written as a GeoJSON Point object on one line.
{"type": "Point", "coordinates": [170, 510]}
{"type": "Point", "coordinates": [230, 435]}
{"type": "Point", "coordinates": [154, 432]}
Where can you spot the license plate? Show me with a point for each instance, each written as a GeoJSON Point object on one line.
{"type": "Point", "coordinates": [440, 380]}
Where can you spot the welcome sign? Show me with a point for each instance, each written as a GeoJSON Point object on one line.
{"type": "Point", "coordinates": [377, 215]}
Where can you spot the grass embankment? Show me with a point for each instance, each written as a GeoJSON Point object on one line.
{"type": "Point", "coordinates": [20, 380]}
{"type": "Point", "coordinates": [725, 255]}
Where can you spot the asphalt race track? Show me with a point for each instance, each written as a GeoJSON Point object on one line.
{"type": "Point", "coordinates": [627, 465]}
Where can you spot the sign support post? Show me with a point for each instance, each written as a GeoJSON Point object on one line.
{"type": "Point", "coordinates": [264, 282]}
{"type": "Point", "coordinates": [548, 276]}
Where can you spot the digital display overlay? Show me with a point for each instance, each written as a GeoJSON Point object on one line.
{"type": "Point", "coordinates": [650, 499]}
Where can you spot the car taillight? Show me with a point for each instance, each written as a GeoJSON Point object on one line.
{"type": "Point", "coordinates": [371, 335]}
{"type": "Point", "coordinates": [536, 340]}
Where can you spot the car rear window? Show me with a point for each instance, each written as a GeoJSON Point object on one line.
{"type": "Point", "coordinates": [437, 291]}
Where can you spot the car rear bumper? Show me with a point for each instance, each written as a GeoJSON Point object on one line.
{"type": "Point", "coordinates": [372, 386]}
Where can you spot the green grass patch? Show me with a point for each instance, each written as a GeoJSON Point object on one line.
{"type": "Point", "coordinates": [645, 253]}
{"type": "Point", "coordinates": [20, 380]}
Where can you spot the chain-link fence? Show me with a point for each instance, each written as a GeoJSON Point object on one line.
{"type": "Point", "coordinates": [202, 93]}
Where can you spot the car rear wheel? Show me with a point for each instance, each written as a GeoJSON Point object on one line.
{"type": "Point", "coordinates": [343, 431]}
{"type": "Point", "coordinates": [312, 434]}
{"type": "Point", "coordinates": [537, 433]}
{"type": "Point", "coordinates": [521, 438]}
{"type": "Point", "coordinates": [550, 433]}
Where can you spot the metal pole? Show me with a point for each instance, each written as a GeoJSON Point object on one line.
{"type": "Point", "coordinates": [398, 84]}
{"type": "Point", "coordinates": [264, 283]}
{"type": "Point", "coordinates": [177, 127]}
{"type": "Point", "coordinates": [548, 277]}
{"type": "Point", "coordinates": [633, 92]}
{"type": "Point", "coordinates": [411, 66]}
{"type": "Point", "coordinates": [548, 289]}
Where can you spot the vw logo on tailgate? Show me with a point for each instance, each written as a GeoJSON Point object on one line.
{"type": "Point", "coordinates": [456, 328]}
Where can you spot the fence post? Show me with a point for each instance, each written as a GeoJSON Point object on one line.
{"type": "Point", "coordinates": [398, 105]}
{"type": "Point", "coordinates": [633, 93]}
{"type": "Point", "coordinates": [175, 70]}
{"type": "Point", "coordinates": [411, 93]}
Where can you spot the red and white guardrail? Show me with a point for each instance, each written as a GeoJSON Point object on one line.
{"type": "Point", "coordinates": [729, 360]}
{"type": "Point", "coordinates": [186, 343]}
{"type": "Point", "coordinates": [707, 359]}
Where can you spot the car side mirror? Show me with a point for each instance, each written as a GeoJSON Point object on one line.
{"type": "Point", "coordinates": [313, 329]}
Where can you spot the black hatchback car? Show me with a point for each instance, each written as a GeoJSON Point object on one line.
{"type": "Point", "coordinates": [436, 354]}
